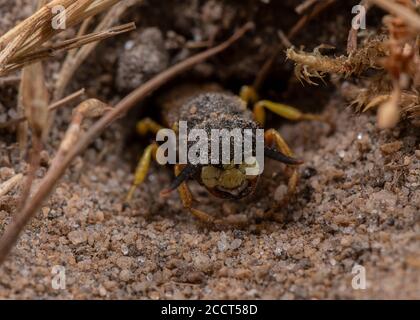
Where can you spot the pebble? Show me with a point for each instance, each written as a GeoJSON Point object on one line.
{"type": "Point", "coordinates": [6, 173]}
{"type": "Point", "coordinates": [77, 237]}
{"type": "Point", "coordinates": [102, 291]}
{"type": "Point", "coordinates": [235, 244]}
{"type": "Point", "coordinates": [125, 275]}
{"type": "Point", "coordinates": [124, 262]}
{"type": "Point", "coordinates": [392, 147]}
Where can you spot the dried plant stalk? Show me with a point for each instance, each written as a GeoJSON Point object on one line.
{"type": "Point", "coordinates": [397, 53]}
{"type": "Point", "coordinates": [316, 65]}
{"type": "Point", "coordinates": [374, 93]}
{"type": "Point", "coordinates": [32, 33]}
{"type": "Point", "coordinates": [35, 99]}
{"type": "Point", "coordinates": [65, 45]}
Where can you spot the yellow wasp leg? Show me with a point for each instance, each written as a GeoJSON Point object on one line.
{"type": "Point", "coordinates": [248, 94]}
{"type": "Point", "coordinates": [143, 127]}
{"type": "Point", "coordinates": [147, 125]}
{"type": "Point", "coordinates": [283, 110]}
{"type": "Point", "coordinates": [187, 199]}
{"type": "Point", "coordinates": [142, 168]}
{"type": "Point", "coordinates": [273, 136]}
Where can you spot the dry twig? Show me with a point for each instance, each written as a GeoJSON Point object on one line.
{"type": "Point", "coordinates": [34, 98]}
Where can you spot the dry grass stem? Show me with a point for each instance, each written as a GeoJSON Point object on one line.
{"type": "Point", "coordinates": [29, 35]}
{"type": "Point", "coordinates": [53, 49]}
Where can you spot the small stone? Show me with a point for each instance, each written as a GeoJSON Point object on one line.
{"type": "Point", "coordinates": [222, 244]}
{"type": "Point", "coordinates": [129, 45]}
{"type": "Point", "coordinates": [342, 220]}
{"type": "Point", "coordinates": [280, 193]}
{"type": "Point", "coordinates": [334, 174]}
{"type": "Point", "coordinates": [124, 262]}
{"type": "Point", "coordinates": [102, 291]}
{"type": "Point", "coordinates": [235, 244]}
{"type": "Point", "coordinates": [278, 252]}
{"type": "Point", "coordinates": [383, 197]}
{"type": "Point", "coordinates": [99, 216]}
{"type": "Point", "coordinates": [193, 110]}
{"type": "Point", "coordinates": [44, 158]}
{"type": "Point", "coordinates": [125, 275]}
{"type": "Point", "coordinates": [309, 172]}
{"type": "Point", "coordinates": [140, 287]}
{"type": "Point", "coordinates": [202, 262]}
{"type": "Point", "coordinates": [45, 211]}
{"type": "Point", "coordinates": [6, 173]}
{"type": "Point", "coordinates": [195, 277]}
{"type": "Point", "coordinates": [154, 295]}
{"type": "Point", "coordinates": [346, 241]}
{"type": "Point", "coordinates": [95, 217]}
{"type": "Point", "coordinates": [243, 273]}
{"type": "Point", "coordinates": [77, 237]}
{"type": "Point", "coordinates": [124, 249]}
{"type": "Point", "coordinates": [392, 147]}
{"type": "Point", "coordinates": [228, 208]}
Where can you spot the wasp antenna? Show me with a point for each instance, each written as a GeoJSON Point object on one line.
{"type": "Point", "coordinates": [278, 156]}
{"type": "Point", "coordinates": [185, 174]}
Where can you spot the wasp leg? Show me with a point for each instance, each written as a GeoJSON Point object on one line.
{"type": "Point", "coordinates": [187, 201]}
{"type": "Point", "coordinates": [283, 110]}
{"type": "Point", "coordinates": [147, 125]}
{"type": "Point", "coordinates": [248, 94]}
{"type": "Point", "coordinates": [143, 127]}
{"type": "Point", "coordinates": [142, 168]}
{"type": "Point", "coordinates": [273, 136]}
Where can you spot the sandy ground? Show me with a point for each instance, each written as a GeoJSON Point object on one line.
{"type": "Point", "coordinates": [358, 204]}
